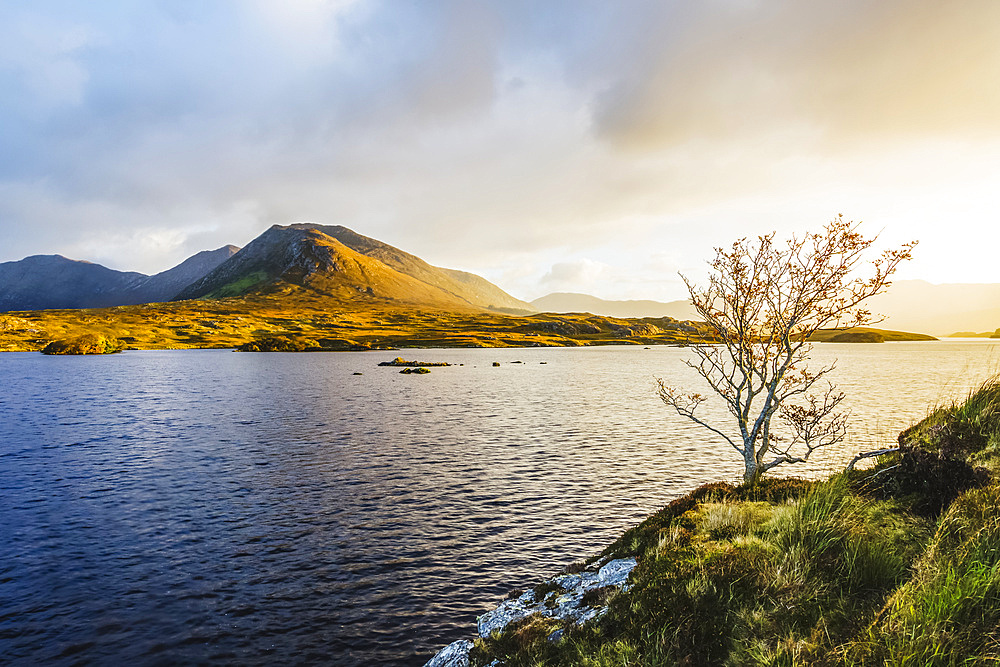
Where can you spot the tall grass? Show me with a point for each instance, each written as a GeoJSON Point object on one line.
{"type": "Point", "coordinates": [949, 612]}
{"type": "Point", "coordinates": [795, 573]}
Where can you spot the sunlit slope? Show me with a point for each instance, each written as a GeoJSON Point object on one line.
{"type": "Point", "coordinates": [297, 261]}
{"type": "Point", "coordinates": [468, 287]}
{"type": "Point", "coordinates": [345, 268]}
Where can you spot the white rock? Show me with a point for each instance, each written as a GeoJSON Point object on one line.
{"type": "Point", "coordinates": [616, 572]}
{"type": "Point", "coordinates": [568, 606]}
{"type": "Point", "coordinates": [568, 581]}
{"type": "Point", "coordinates": [455, 654]}
{"type": "Point", "coordinates": [506, 613]}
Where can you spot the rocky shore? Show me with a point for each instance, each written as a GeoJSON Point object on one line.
{"type": "Point", "coordinates": [569, 599]}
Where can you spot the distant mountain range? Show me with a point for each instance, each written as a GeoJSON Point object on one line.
{"type": "Point", "coordinates": [916, 305]}
{"type": "Point", "coordinates": [909, 305]}
{"type": "Point", "coordinates": [315, 261]}
{"type": "Point", "coordinates": [571, 302]}
{"type": "Point", "coordinates": [336, 264]}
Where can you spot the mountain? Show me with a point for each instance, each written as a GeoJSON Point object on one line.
{"type": "Point", "coordinates": [917, 305]}
{"type": "Point", "coordinates": [165, 285]}
{"type": "Point", "coordinates": [570, 302]}
{"type": "Point", "coordinates": [41, 282]}
{"type": "Point", "coordinates": [336, 262]}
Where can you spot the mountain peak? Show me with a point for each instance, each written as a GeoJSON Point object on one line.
{"type": "Point", "coordinates": [335, 261]}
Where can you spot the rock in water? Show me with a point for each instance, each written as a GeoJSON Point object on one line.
{"type": "Point", "coordinates": [455, 654]}
{"type": "Point", "coordinates": [400, 361]}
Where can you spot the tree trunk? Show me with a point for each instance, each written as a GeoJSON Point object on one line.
{"type": "Point", "coordinates": [752, 473]}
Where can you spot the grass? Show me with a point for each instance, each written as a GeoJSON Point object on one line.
{"type": "Point", "coordinates": [303, 320]}
{"type": "Point", "coordinates": [853, 570]}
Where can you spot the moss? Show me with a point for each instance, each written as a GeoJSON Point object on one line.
{"type": "Point", "coordinates": [543, 589]}
{"type": "Point", "coordinates": [598, 597]}
{"type": "Point", "coordinates": [240, 286]}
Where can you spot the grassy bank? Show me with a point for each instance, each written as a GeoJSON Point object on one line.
{"type": "Point", "coordinates": [305, 322]}
{"type": "Point", "coordinates": [898, 564]}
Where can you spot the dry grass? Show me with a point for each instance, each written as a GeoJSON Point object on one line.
{"type": "Point", "coordinates": [326, 323]}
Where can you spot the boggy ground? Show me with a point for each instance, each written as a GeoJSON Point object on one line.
{"type": "Point", "coordinates": [276, 323]}
{"type": "Point", "coordinates": [898, 564]}
{"type": "Point", "coordinates": [298, 321]}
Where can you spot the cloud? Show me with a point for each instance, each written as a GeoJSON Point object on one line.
{"type": "Point", "coordinates": [482, 134]}
{"type": "Point", "coordinates": [850, 71]}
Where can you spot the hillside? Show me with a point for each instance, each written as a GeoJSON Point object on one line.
{"type": "Point", "coordinates": [52, 281]}
{"type": "Point", "coordinates": [343, 266]}
{"type": "Point", "coordinates": [467, 286]}
{"type": "Point", "coordinates": [571, 302]}
{"type": "Point", "coordinates": [895, 564]}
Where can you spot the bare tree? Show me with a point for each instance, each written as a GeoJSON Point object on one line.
{"type": "Point", "coordinates": [762, 303]}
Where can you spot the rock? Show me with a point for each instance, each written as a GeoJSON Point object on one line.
{"type": "Point", "coordinates": [506, 613]}
{"type": "Point", "coordinates": [496, 363]}
{"type": "Point", "coordinates": [564, 603]}
{"type": "Point", "coordinates": [616, 572]}
{"type": "Point", "coordinates": [400, 361]}
{"type": "Point", "coordinates": [357, 373]}
{"type": "Point", "coordinates": [86, 344]}
{"type": "Point", "coordinates": [415, 371]}
{"type": "Point", "coordinates": [455, 654]}
{"type": "Point", "coordinates": [567, 606]}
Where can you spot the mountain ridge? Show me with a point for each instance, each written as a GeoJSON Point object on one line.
{"type": "Point", "coordinates": [337, 262]}
{"type": "Point", "coordinates": [44, 282]}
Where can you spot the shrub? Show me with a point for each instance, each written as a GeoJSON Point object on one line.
{"type": "Point", "coordinates": [85, 344]}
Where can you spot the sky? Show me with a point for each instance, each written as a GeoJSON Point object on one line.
{"type": "Point", "coordinates": [576, 145]}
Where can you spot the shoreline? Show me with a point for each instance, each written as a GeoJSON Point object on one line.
{"type": "Point", "coordinates": [321, 326]}
{"type": "Point", "coordinates": [746, 575]}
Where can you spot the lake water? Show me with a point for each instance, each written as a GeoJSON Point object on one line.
{"type": "Point", "coordinates": [208, 506]}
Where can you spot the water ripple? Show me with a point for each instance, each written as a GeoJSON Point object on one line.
{"type": "Point", "coordinates": [208, 506]}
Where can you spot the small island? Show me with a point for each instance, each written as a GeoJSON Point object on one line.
{"type": "Point", "coordinates": [866, 335]}
{"type": "Point", "coordinates": [399, 361]}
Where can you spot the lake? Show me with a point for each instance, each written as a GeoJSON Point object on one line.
{"type": "Point", "coordinates": [208, 506]}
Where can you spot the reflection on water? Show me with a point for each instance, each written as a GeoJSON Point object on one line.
{"type": "Point", "coordinates": [209, 506]}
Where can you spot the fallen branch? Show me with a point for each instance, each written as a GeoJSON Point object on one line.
{"type": "Point", "coordinates": [868, 455]}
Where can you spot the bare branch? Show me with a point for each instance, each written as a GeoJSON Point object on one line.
{"type": "Point", "coordinates": [762, 302]}
{"type": "Point", "coordinates": [868, 455]}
